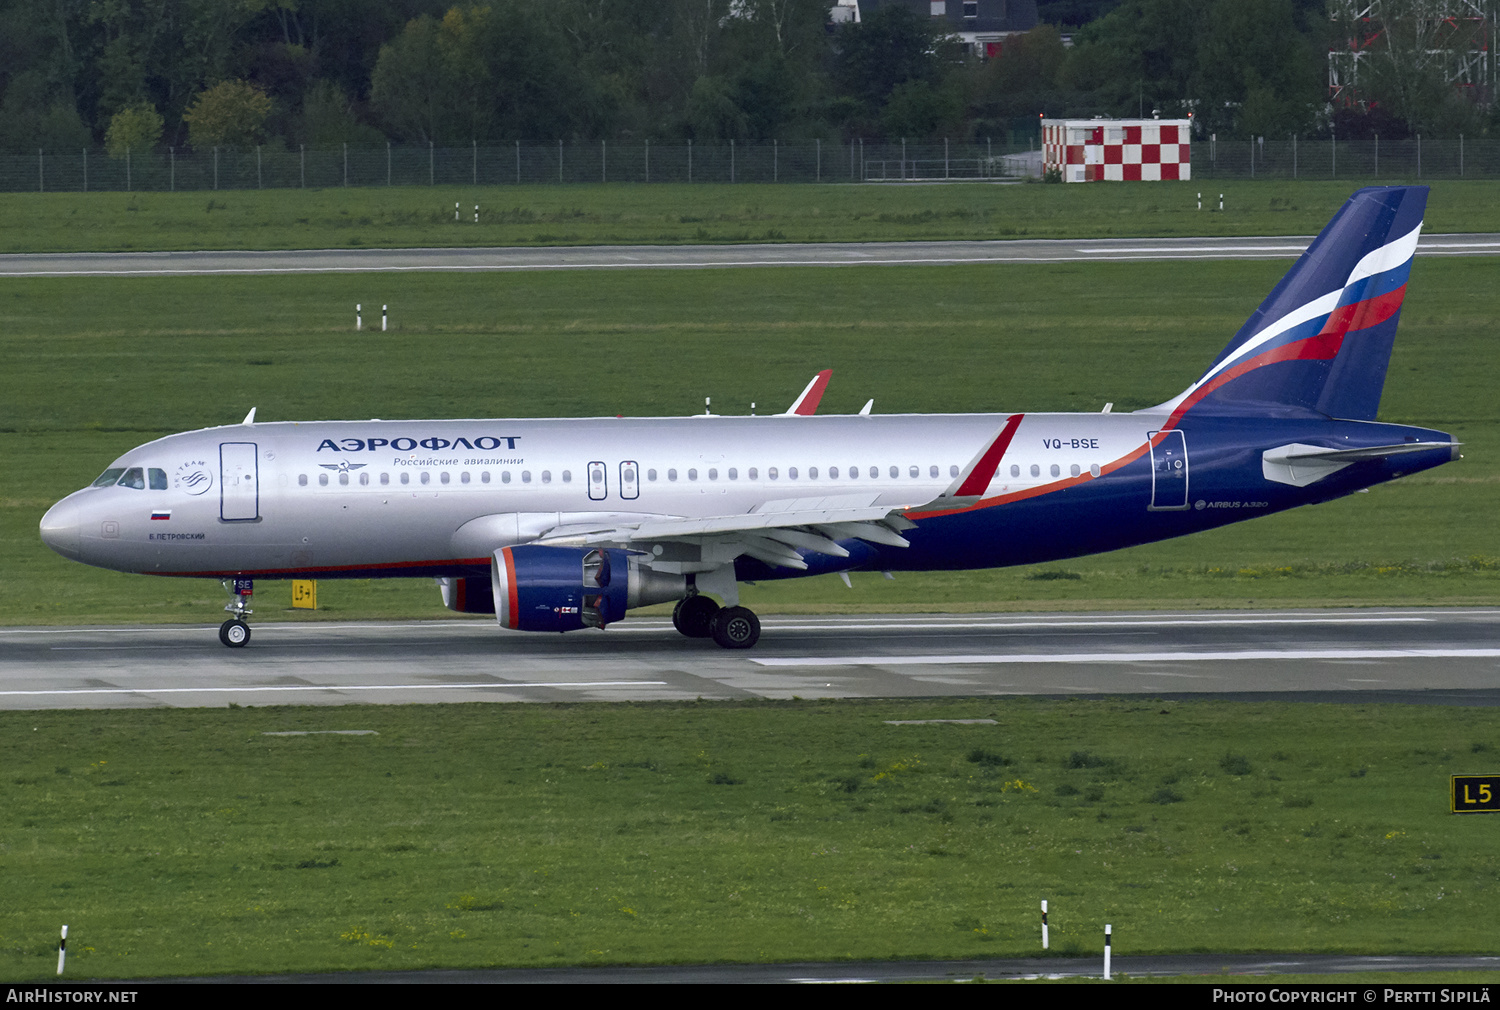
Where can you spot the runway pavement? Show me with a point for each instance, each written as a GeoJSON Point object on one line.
{"type": "Point", "coordinates": [995, 969]}
{"type": "Point", "coordinates": [1449, 656]}
{"type": "Point", "coordinates": [163, 264]}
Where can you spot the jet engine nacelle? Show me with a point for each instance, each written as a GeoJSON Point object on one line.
{"type": "Point", "coordinates": [467, 596]}
{"type": "Point", "coordinates": [539, 588]}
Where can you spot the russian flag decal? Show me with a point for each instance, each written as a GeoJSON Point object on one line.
{"type": "Point", "coordinates": [161, 513]}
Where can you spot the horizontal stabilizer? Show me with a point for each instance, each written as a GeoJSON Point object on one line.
{"type": "Point", "coordinates": [1300, 465]}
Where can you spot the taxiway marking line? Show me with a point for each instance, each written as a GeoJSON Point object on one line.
{"type": "Point", "coordinates": [1127, 657]}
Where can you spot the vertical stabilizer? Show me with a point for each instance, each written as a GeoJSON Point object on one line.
{"type": "Point", "coordinates": [1322, 339]}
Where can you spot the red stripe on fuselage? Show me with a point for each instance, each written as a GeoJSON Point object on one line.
{"type": "Point", "coordinates": [270, 572]}
{"type": "Point", "coordinates": [1322, 346]}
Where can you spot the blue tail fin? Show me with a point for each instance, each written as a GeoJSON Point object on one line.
{"type": "Point", "coordinates": [1322, 339]}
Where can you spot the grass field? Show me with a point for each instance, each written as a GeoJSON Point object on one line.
{"type": "Point", "coordinates": [670, 214]}
{"type": "Point", "coordinates": [95, 366]}
{"type": "Point", "coordinates": [183, 842]}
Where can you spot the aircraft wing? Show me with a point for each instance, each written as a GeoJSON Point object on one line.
{"type": "Point", "coordinates": [774, 531]}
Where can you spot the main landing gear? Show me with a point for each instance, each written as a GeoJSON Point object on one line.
{"type": "Point", "coordinates": [731, 627]}
{"type": "Point", "coordinates": [235, 632]}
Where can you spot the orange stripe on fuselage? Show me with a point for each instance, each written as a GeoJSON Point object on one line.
{"type": "Point", "coordinates": [512, 604]}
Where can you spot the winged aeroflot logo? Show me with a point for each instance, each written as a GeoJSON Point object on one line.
{"type": "Point", "coordinates": [343, 467]}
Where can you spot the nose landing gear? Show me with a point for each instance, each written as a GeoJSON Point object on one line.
{"type": "Point", "coordinates": [235, 632]}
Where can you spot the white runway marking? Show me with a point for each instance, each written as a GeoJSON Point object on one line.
{"type": "Point", "coordinates": [1126, 657]}
{"type": "Point", "coordinates": [524, 258]}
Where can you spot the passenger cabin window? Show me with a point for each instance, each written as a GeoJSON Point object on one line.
{"type": "Point", "coordinates": [302, 480]}
{"type": "Point", "coordinates": [322, 480]}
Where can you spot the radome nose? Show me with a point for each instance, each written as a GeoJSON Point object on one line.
{"type": "Point", "coordinates": [60, 528]}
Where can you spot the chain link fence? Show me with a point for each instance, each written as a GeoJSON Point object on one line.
{"type": "Point", "coordinates": [1294, 158]}
{"type": "Point", "coordinates": [169, 169]}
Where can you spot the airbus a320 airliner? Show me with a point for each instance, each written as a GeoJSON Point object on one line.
{"type": "Point", "coordinates": [557, 525]}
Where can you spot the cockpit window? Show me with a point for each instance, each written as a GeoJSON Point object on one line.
{"type": "Point", "coordinates": [108, 477]}
{"type": "Point", "coordinates": [134, 477]}
{"type": "Point", "coordinates": [158, 479]}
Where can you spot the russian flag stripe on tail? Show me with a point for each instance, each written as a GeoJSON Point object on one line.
{"type": "Point", "coordinates": [1321, 341]}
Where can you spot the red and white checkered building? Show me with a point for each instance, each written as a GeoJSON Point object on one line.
{"type": "Point", "coordinates": [1116, 150]}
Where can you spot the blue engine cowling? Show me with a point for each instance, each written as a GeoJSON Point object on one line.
{"type": "Point", "coordinates": [559, 588]}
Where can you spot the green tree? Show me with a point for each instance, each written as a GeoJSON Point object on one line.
{"type": "Point", "coordinates": [229, 114]}
{"type": "Point", "coordinates": [1258, 74]}
{"type": "Point", "coordinates": [410, 84]}
{"type": "Point", "coordinates": [482, 73]}
{"type": "Point", "coordinates": [891, 46]}
{"type": "Point", "coordinates": [1141, 56]}
{"type": "Point", "coordinates": [712, 112]}
{"type": "Point", "coordinates": [136, 127]}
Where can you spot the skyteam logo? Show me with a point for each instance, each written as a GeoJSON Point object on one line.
{"type": "Point", "coordinates": [194, 477]}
